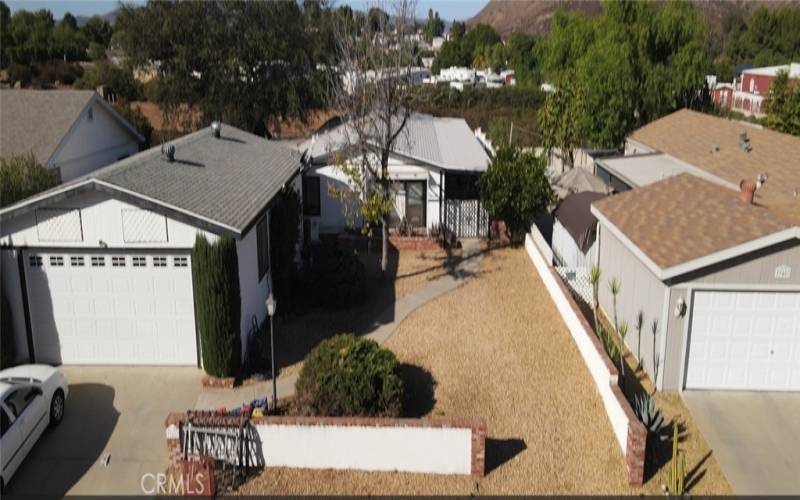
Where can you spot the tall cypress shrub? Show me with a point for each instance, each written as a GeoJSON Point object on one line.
{"type": "Point", "coordinates": [215, 273]}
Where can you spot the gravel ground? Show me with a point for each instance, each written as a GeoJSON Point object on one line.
{"type": "Point", "coordinates": [295, 336]}
{"type": "Point", "coordinates": [508, 358]}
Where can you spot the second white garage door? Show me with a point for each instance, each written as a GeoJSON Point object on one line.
{"type": "Point", "coordinates": [744, 341]}
{"type": "Point", "coordinates": [111, 308]}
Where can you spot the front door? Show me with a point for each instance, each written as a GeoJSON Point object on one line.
{"type": "Point", "coordinates": [415, 203]}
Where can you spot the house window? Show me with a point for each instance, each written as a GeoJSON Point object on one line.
{"type": "Point", "coordinates": [139, 261]}
{"type": "Point", "coordinates": [118, 261]}
{"type": "Point", "coordinates": [311, 196]}
{"type": "Point", "coordinates": [35, 260]}
{"type": "Point", "coordinates": [262, 242]}
{"type": "Point", "coordinates": [180, 261]}
{"type": "Point", "coordinates": [159, 262]}
{"type": "Point", "coordinates": [56, 260]}
{"type": "Point", "coordinates": [76, 261]}
{"type": "Point", "coordinates": [98, 261]}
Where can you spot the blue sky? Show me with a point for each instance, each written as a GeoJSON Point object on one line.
{"type": "Point", "coordinates": [448, 9]}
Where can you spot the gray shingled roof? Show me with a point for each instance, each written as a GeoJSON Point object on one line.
{"type": "Point", "coordinates": [446, 143]}
{"type": "Point", "coordinates": [37, 120]}
{"type": "Point", "coordinates": [228, 181]}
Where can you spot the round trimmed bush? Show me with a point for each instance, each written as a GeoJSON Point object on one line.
{"type": "Point", "coordinates": [350, 376]}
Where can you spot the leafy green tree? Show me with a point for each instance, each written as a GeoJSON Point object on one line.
{"type": "Point", "coordinates": [215, 275]}
{"type": "Point", "coordinates": [246, 63]}
{"type": "Point", "coordinates": [22, 176]}
{"type": "Point", "coordinates": [69, 44]}
{"type": "Point", "coordinates": [520, 53]}
{"type": "Point", "coordinates": [434, 26]}
{"type": "Point", "coordinates": [562, 122]}
{"type": "Point", "coordinates": [457, 30]}
{"type": "Point", "coordinates": [515, 189]}
{"type": "Point", "coordinates": [783, 105]}
{"type": "Point", "coordinates": [570, 36]}
{"type": "Point", "coordinates": [474, 41]}
{"type": "Point", "coordinates": [97, 30]}
{"type": "Point", "coordinates": [30, 36]}
{"type": "Point", "coordinates": [377, 19]}
{"type": "Point", "coordinates": [119, 79]}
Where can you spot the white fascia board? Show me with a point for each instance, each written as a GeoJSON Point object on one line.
{"type": "Point", "coordinates": [707, 260]}
{"type": "Point", "coordinates": [42, 196]}
{"type": "Point", "coordinates": [732, 252]}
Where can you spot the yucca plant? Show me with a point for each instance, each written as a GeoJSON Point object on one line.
{"type": "Point", "coordinates": [594, 278]}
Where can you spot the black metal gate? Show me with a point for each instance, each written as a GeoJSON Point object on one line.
{"type": "Point", "coordinates": [466, 218]}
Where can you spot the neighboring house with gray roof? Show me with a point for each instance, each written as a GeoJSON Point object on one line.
{"type": "Point", "coordinates": [73, 131]}
{"type": "Point", "coordinates": [98, 269]}
{"type": "Point", "coordinates": [434, 164]}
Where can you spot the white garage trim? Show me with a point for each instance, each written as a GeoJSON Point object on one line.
{"type": "Point", "coordinates": [714, 365]}
{"type": "Point", "coordinates": [80, 316]}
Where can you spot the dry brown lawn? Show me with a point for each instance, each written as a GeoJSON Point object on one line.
{"type": "Point", "coordinates": [497, 349]}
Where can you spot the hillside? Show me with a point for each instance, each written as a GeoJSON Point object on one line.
{"type": "Point", "coordinates": [533, 17]}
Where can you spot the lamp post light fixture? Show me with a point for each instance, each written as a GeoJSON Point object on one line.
{"type": "Point", "coordinates": [271, 304]}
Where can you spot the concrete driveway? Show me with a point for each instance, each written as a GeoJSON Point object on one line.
{"type": "Point", "coordinates": [755, 437]}
{"type": "Point", "coordinates": [114, 410]}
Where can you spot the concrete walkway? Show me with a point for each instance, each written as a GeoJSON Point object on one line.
{"type": "Point", "coordinates": [467, 267]}
{"type": "Point", "coordinates": [755, 437]}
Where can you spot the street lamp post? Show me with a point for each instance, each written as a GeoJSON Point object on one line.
{"type": "Point", "coordinates": [271, 304]}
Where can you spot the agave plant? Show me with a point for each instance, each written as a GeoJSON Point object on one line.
{"type": "Point", "coordinates": [648, 413]}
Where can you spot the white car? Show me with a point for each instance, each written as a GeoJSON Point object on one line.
{"type": "Point", "coordinates": [31, 398]}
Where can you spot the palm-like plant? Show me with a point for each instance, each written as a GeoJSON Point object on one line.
{"type": "Point", "coordinates": [594, 278]}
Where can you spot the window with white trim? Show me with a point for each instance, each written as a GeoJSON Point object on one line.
{"type": "Point", "coordinates": [98, 261]}
{"type": "Point", "coordinates": [180, 261]}
{"type": "Point", "coordinates": [139, 261]}
{"type": "Point", "coordinates": [118, 261]}
{"type": "Point", "coordinates": [56, 260]}
{"type": "Point", "coordinates": [76, 260]}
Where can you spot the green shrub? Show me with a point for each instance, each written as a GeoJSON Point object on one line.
{"type": "Point", "coordinates": [8, 349]}
{"type": "Point", "coordinates": [349, 376]}
{"type": "Point", "coordinates": [20, 73]}
{"type": "Point", "coordinates": [284, 232]}
{"type": "Point", "coordinates": [338, 277]}
{"type": "Point", "coordinates": [22, 176]}
{"type": "Point", "coordinates": [215, 273]}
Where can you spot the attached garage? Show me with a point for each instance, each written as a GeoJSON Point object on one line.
{"type": "Point", "coordinates": [111, 308]}
{"type": "Point", "coordinates": [98, 271]}
{"type": "Point", "coordinates": [744, 341]}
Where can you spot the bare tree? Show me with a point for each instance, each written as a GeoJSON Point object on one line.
{"type": "Point", "coordinates": [371, 90]}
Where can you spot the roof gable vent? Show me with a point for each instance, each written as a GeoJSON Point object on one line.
{"type": "Point", "coordinates": [216, 129]}
{"type": "Point", "coordinates": [168, 151]}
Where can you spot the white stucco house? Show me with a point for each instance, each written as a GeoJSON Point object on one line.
{"type": "Point", "coordinates": [73, 131]}
{"type": "Point", "coordinates": [98, 270]}
{"type": "Point", "coordinates": [434, 166]}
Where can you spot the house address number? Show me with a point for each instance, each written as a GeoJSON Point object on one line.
{"type": "Point", "coordinates": [783, 272]}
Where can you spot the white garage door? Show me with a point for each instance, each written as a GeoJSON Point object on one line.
{"type": "Point", "coordinates": [111, 308]}
{"type": "Point", "coordinates": [745, 341]}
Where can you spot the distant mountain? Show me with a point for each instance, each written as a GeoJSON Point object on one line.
{"type": "Point", "coordinates": [111, 17]}
{"type": "Point", "coordinates": [533, 17]}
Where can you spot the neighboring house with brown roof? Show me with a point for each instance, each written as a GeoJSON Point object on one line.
{"type": "Point", "coordinates": [715, 277]}
{"type": "Point", "coordinates": [74, 131]}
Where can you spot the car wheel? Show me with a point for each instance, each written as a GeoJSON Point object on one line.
{"type": "Point", "coordinates": [57, 407]}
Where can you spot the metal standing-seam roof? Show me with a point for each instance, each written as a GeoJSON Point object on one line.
{"type": "Point", "coordinates": [446, 143]}
{"type": "Point", "coordinates": [227, 181]}
{"type": "Point", "coordinates": [36, 121]}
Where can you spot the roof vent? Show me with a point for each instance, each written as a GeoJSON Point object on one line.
{"type": "Point", "coordinates": [168, 151]}
{"type": "Point", "coordinates": [744, 142]}
{"type": "Point", "coordinates": [216, 128]}
{"type": "Point", "coordinates": [760, 180]}
{"type": "Point", "coordinates": [747, 189]}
